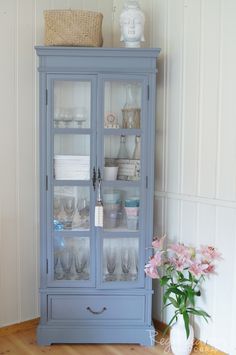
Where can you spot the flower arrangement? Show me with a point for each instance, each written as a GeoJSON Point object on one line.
{"type": "Point", "coordinates": [181, 270]}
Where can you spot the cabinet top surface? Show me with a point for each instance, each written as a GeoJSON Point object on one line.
{"type": "Point", "coordinates": [98, 51]}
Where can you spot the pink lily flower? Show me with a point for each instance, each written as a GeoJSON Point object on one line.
{"type": "Point", "coordinates": [210, 268]}
{"type": "Point", "coordinates": [198, 269]}
{"type": "Point", "coordinates": [155, 260]}
{"type": "Point", "coordinates": [178, 263]}
{"type": "Point", "coordinates": [181, 250]}
{"type": "Point", "coordinates": [158, 243]}
{"type": "Point", "coordinates": [210, 253]}
{"type": "Point", "coordinates": [158, 258]}
{"type": "Point", "coordinates": [151, 272]}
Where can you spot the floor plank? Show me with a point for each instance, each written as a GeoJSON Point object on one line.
{"type": "Point", "coordinates": [24, 343]}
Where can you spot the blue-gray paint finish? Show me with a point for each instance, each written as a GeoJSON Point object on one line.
{"type": "Point", "coordinates": [127, 314]}
{"type": "Point", "coordinates": [51, 78]}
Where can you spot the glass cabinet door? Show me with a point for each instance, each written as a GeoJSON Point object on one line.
{"type": "Point", "coordinates": [72, 104]}
{"type": "Point", "coordinates": [120, 259]}
{"type": "Point", "coordinates": [71, 195]}
{"type": "Point", "coordinates": [123, 129]}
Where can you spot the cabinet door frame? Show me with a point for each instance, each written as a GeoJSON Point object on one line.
{"type": "Point", "coordinates": [101, 233]}
{"type": "Point", "coordinates": [51, 282]}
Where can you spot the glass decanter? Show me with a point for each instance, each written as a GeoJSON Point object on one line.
{"type": "Point", "coordinates": [123, 152]}
{"type": "Point", "coordinates": [131, 109]}
{"type": "Point", "coordinates": [136, 154]}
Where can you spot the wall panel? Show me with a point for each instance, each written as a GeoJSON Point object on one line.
{"type": "Point", "coordinates": [210, 76]}
{"type": "Point", "coordinates": [206, 234]}
{"type": "Point", "coordinates": [188, 212]}
{"type": "Point", "coordinates": [159, 223]}
{"type": "Point", "coordinates": [159, 39]}
{"type": "Point", "coordinates": [226, 177]}
{"type": "Point", "coordinates": [9, 238]}
{"type": "Point", "coordinates": [224, 282]}
{"type": "Point", "coordinates": [26, 153]}
{"type": "Point", "coordinates": [174, 85]}
{"type": "Point", "coordinates": [190, 96]}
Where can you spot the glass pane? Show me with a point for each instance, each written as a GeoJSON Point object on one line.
{"type": "Point", "coordinates": [72, 102]}
{"type": "Point", "coordinates": [122, 104]}
{"type": "Point", "coordinates": [121, 209]}
{"type": "Point", "coordinates": [122, 157]}
{"type": "Point", "coordinates": [71, 157]}
{"type": "Point", "coordinates": [71, 208]}
{"type": "Point", "coordinates": [120, 259]}
{"type": "Point", "coordinates": [71, 258]}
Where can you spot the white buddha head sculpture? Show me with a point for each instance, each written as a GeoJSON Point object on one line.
{"type": "Point", "coordinates": [132, 22]}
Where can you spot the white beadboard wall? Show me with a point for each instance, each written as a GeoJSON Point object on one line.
{"type": "Point", "coordinates": [195, 196]}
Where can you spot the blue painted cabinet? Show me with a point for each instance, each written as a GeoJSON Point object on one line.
{"type": "Point", "coordinates": [97, 134]}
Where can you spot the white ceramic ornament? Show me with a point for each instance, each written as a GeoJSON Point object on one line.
{"type": "Point", "coordinates": [132, 22]}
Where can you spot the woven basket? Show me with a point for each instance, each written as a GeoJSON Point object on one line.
{"type": "Point", "coordinates": [73, 28]}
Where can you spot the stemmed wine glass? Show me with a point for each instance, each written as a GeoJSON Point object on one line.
{"type": "Point", "coordinates": [81, 259]}
{"type": "Point", "coordinates": [111, 258]}
{"type": "Point", "coordinates": [58, 251]}
{"type": "Point", "coordinates": [83, 209]}
{"type": "Point", "coordinates": [66, 261]}
{"type": "Point", "coordinates": [68, 203]}
{"type": "Point", "coordinates": [56, 206]}
{"type": "Point", "coordinates": [125, 263]}
{"type": "Point", "coordinates": [58, 269]}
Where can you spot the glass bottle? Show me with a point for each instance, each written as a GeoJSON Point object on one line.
{"type": "Point", "coordinates": [136, 154]}
{"type": "Point", "coordinates": [123, 152]}
{"type": "Point", "coordinates": [131, 100]}
{"type": "Point", "coordinates": [131, 110]}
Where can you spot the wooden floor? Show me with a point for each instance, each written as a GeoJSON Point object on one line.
{"type": "Point", "coordinates": [24, 343]}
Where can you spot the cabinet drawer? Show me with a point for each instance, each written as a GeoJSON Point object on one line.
{"type": "Point", "coordinates": [96, 308]}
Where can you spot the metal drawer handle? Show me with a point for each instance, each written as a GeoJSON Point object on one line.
{"type": "Point", "coordinates": [95, 312]}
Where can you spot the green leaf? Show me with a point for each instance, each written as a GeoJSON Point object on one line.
{"type": "Point", "coordinates": [180, 275]}
{"type": "Point", "coordinates": [199, 312]}
{"type": "Point", "coordinates": [170, 323]}
{"type": "Point", "coordinates": [166, 295]}
{"type": "Point", "coordinates": [176, 291]}
{"type": "Point", "coordinates": [167, 305]}
{"type": "Point", "coordinates": [164, 280]}
{"type": "Point", "coordinates": [190, 276]}
{"type": "Point", "coordinates": [174, 302]}
{"type": "Point", "coordinates": [182, 303]}
{"type": "Point", "coordinates": [186, 323]}
{"type": "Point", "coordinates": [190, 294]}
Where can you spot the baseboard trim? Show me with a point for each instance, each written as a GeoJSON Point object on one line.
{"type": "Point", "coordinates": [199, 345]}
{"type": "Point", "coordinates": [19, 327]}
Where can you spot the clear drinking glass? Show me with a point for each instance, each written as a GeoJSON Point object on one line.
{"type": "Point", "coordinates": [125, 263]}
{"type": "Point", "coordinates": [111, 257]}
{"type": "Point", "coordinates": [56, 207]}
{"type": "Point", "coordinates": [69, 208]}
{"type": "Point", "coordinates": [82, 259]}
{"type": "Point", "coordinates": [72, 104]}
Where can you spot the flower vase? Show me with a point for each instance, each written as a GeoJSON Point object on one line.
{"type": "Point", "coordinates": [180, 344]}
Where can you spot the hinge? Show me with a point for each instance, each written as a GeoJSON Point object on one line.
{"type": "Point", "coordinates": [46, 183]}
{"type": "Point", "coordinates": [47, 266]}
{"type": "Point", "coordinates": [146, 182]}
{"type": "Point", "coordinates": [46, 97]}
{"type": "Point", "coordinates": [148, 92]}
